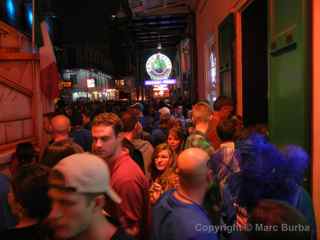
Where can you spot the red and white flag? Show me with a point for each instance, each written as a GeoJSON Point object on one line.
{"type": "Point", "coordinates": [49, 74]}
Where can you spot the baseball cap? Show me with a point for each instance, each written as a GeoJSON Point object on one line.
{"type": "Point", "coordinates": [85, 173]}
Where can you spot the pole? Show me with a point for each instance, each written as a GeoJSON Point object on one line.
{"type": "Point", "coordinates": [33, 25]}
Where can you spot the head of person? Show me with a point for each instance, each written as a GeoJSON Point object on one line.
{"type": "Point", "coordinates": [282, 220]}
{"type": "Point", "coordinates": [60, 127]}
{"type": "Point", "coordinates": [176, 139]}
{"type": "Point", "coordinates": [29, 192]}
{"type": "Point", "coordinates": [131, 124]}
{"type": "Point", "coordinates": [106, 129]}
{"type": "Point", "coordinates": [164, 113]}
{"type": "Point", "coordinates": [68, 110]}
{"type": "Point", "coordinates": [139, 108]}
{"type": "Point", "coordinates": [226, 130]}
{"type": "Point", "coordinates": [86, 117]}
{"type": "Point", "coordinates": [201, 112]}
{"type": "Point", "coordinates": [163, 160]}
{"type": "Point", "coordinates": [76, 119]}
{"type": "Point", "coordinates": [78, 186]}
{"type": "Point", "coordinates": [297, 161]}
{"type": "Point", "coordinates": [189, 114]}
{"type": "Point", "coordinates": [148, 110]}
{"type": "Point", "coordinates": [57, 151]}
{"type": "Point", "coordinates": [224, 106]}
{"type": "Point", "coordinates": [179, 110]}
{"type": "Point", "coordinates": [25, 153]}
{"type": "Point", "coordinates": [193, 170]}
{"type": "Point", "coordinates": [239, 125]}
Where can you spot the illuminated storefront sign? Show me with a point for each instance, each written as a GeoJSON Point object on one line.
{"type": "Point", "coordinates": [160, 88]}
{"type": "Point", "coordinates": [91, 83]}
{"type": "Point", "coordinates": [66, 84]}
{"type": "Point", "coordinates": [159, 66]}
{"type": "Point", "coordinates": [160, 82]}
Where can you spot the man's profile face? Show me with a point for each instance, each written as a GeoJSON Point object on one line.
{"type": "Point", "coordinates": [179, 110]}
{"type": "Point", "coordinates": [85, 119]}
{"type": "Point", "coordinates": [105, 143]}
{"type": "Point", "coordinates": [71, 213]}
{"type": "Point", "coordinates": [225, 112]}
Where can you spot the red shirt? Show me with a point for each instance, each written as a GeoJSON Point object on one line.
{"type": "Point", "coordinates": [212, 131]}
{"type": "Point", "coordinates": [132, 186]}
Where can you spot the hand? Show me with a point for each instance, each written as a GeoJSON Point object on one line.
{"type": "Point", "coordinates": [155, 192]}
{"type": "Point", "coordinates": [242, 217]}
{"type": "Point", "coordinates": [156, 187]}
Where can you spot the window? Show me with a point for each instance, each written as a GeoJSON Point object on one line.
{"type": "Point", "coordinates": [212, 73]}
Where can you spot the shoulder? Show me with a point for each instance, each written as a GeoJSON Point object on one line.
{"type": "Point", "coordinates": [142, 144]}
{"type": "Point", "coordinates": [129, 169]}
{"type": "Point", "coordinates": [128, 175]}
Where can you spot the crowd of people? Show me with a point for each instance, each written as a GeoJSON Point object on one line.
{"type": "Point", "coordinates": [155, 171]}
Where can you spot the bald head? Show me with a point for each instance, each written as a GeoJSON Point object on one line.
{"type": "Point", "coordinates": [60, 125]}
{"type": "Point", "coordinates": [192, 166]}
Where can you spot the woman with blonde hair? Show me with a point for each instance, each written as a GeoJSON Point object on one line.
{"type": "Point", "coordinates": [162, 169]}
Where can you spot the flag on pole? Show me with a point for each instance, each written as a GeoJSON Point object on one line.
{"type": "Point", "coordinates": [49, 74]}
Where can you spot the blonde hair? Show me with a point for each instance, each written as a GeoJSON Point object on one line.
{"type": "Point", "coordinates": [172, 164]}
{"type": "Point", "coordinates": [201, 112]}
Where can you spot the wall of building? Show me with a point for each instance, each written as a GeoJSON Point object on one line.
{"type": "Point", "coordinates": [209, 14]}
{"type": "Point", "coordinates": [316, 107]}
{"type": "Point", "coordinates": [21, 108]}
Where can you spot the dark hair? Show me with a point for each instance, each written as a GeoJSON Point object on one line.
{"type": "Point", "coordinates": [109, 119]}
{"type": "Point", "coordinates": [25, 153]}
{"type": "Point", "coordinates": [138, 106]}
{"type": "Point", "coordinates": [260, 129]}
{"type": "Point", "coordinates": [222, 101]}
{"type": "Point", "coordinates": [30, 187]}
{"type": "Point", "coordinates": [57, 151]}
{"type": "Point", "coordinates": [297, 161]}
{"type": "Point", "coordinates": [76, 119]}
{"type": "Point", "coordinates": [129, 120]}
{"type": "Point", "coordinates": [270, 213]}
{"type": "Point", "coordinates": [87, 113]}
{"type": "Point", "coordinates": [226, 130]}
{"type": "Point", "coordinates": [50, 115]}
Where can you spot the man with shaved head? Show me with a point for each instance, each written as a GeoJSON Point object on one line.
{"type": "Point", "coordinates": [179, 213]}
{"type": "Point", "coordinates": [60, 125]}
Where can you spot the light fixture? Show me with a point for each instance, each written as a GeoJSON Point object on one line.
{"type": "Point", "coordinates": [159, 44]}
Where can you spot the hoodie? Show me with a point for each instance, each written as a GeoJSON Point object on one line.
{"type": "Point", "coordinates": [146, 150]}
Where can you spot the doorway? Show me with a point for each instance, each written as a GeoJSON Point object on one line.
{"type": "Point", "coordinates": [255, 63]}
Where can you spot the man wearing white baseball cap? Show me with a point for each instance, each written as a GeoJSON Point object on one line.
{"type": "Point", "coordinates": [78, 187]}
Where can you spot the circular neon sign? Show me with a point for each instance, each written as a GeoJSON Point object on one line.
{"type": "Point", "coordinates": [159, 66]}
